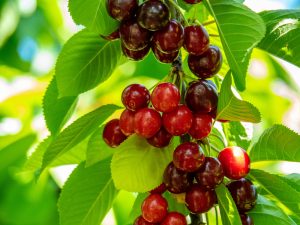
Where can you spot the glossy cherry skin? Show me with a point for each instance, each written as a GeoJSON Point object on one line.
{"type": "Point", "coordinates": [135, 96]}
{"type": "Point", "coordinates": [165, 97]}
{"type": "Point", "coordinates": [127, 122]}
{"type": "Point", "coordinates": [206, 65]}
{"type": "Point", "coordinates": [243, 193]}
{"type": "Point", "coordinates": [164, 57]}
{"type": "Point", "coordinates": [122, 9]}
{"type": "Point", "coordinates": [112, 134]}
{"type": "Point", "coordinates": [199, 200]}
{"type": "Point", "coordinates": [201, 126]}
{"type": "Point", "coordinates": [141, 221]}
{"type": "Point", "coordinates": [154, 208]}
{"type": "Point", "coordinates": [159, 190]}
{"type": "Point", "coordinates": [179, 121]}
{"type": "Point", "coordinates": [174, 218]}
{"type": "Point", "coordinates": [176, 180]}
{"type": "Point", "coordinates": [211, 174]}
{"type": "Point", "coordinates": [153, 15]}
{"type": "Point", "coordinates": [246, 220]}
{"type": "Point", "coordinates": [202, 96]}
{"type": "Point", "coordinates": [188, 157]}
{"type": "Point", "coordinates": [135, 55]}
{"type": "Point", "coordinates": [193, 1]}
{"type": "Point", "coordinates": [170, 38]}
{"type": "Point", "coordinates": [235, 162]}
{"type": "Point", "coordinates": [133, 36]}
{"type": "Point", "coordinates": [161, 139]}
{"type": "Point", "coordinates": [113, 36]}
{"type": "Point", "coordinates": [147, 122]}
{"type": "Point", "coordinates": [196, 39]}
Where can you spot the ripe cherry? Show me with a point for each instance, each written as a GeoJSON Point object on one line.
{"type": "Point", "coordinates": [235, 162]}
{"type": "Point", "coordinates": [246, 220]}
{"type": "Point", "coordinates": [174, 218]}
{"type": "Point", "coordinates": [188, 157]}
{"type": "Point", "coordinates": [127, 122]}
{"type": "Point", "coordinates": [122, 9]}
{"type": "Point", "coordinates": [159, 190]}
{"type": "Point", "coordinates": [193, 1]}
{"type": "Point", "coordinates": [201, 126]}
{"type": "Point", "coordinates": [135, 55]}
{"type": "Point", "coordinates": [176, 180]}
{"type": "Point", "coordinates": [161, 139]}
{"type": "Point", "coordinates": [196, 39]}
{"type": "Point", "coordinates": [113, 36]}
{"type": "Point", "coordinates": [202, 96]}
{"type": "Point", "coordinates": [211, 174]}
{"type": "Point", "coordinates": [164, 57]}
{"type": "Point", "coordinates": [112, 134]}
{"type": "Point", "coordinates": [135, 96]}
{"type": "Point", "coordinates": [243, 193]}
{"type": "Point", "coordinates": [154, 208]}
{"type": "Point", "coordinates": [206, 65]}
{"type": "Point", "coordinates": [153, 15]}
{"type": "Point", "coordinates": [147, 122]}
{"type": "Point", "coordinates": [179, 121]}
{"type": "Point", "coordinates": [165, 97]}
{"type": "Point", "coordinates": [141, 221]}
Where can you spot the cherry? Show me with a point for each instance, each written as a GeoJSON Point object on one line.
{"type": "Point", "coordinates": [211, 174]}
{"type": "Point", "coordinates": [113, 36]}
{"type": "Point", "coordinates": [165, 97]}
{"type": "Point", "coordinates": [201, 126]}
{"type": "Point", "coordinates": [135, 96]}
{"type": "Point", "coordinates": [161, 139]}
{"type": "Point", "coordinates": [246, 220]}
{"type": "Point", "coordinates": [235, 162]}
{"type": "Point", "coordinates": [176, 180]}
{"type": "Point", "coordinates": [127, 122]}
{"type": "Point", "coordinates": [174, 218]}
{"type": "Point", "coordinates": [207, 64]}
{"type": "Point", "coordinates": [196, 39]}
{"type": "Point", "coordinates": [170, 38]}
{"type": "Point", "coordinates": [141, 221]}
{"type": "Point", "coordinates": [202, 96]}
{"type": "Point", "coordinates": [154, 208]}
{"type": "Point", "coordinates": [135, 55]}
{"type": "Point", "coordinates": [112, 133]}
{"type": "Point", "coordinates": [179, 121]}
{"type": "Point", "coordinates": [122, 9]}
{"type": "Point", "coordinates": [159, 190]}
{"type": "Point", "coordinates": [193, 1]}
{"type": "Point", "coordinates": [188, 157]}
{"type": "Point", "coordinates": [164, 57]}
{"type": "Point", "coordinates": [153, 15]}
{"type": "Point", "coordinates": [133, 36]}
{"type": "Point", "coordinates": [147, 122]}
{"type": "Point", "coordinates": [199, 199]}
{"type": "Point", "coordinates": [243, 193]}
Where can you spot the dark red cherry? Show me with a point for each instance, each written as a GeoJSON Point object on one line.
{"type": "Point", "coordinates": [165, 97]}
{"type": "Point", "coordinates": [127, 122]}
{"type": "Point", "coordinates": [154, 208]}
{"type": "Point", "coordinates": [193, 1]}
{"type": "Point", "coordinates": [174, 218]}
{"type": "Point", "coordinates": [113, 36]}
{"type": "Point", "coordinates": [176, 180]}
{"type": "Point", "coordinates": [133, 36]}
{"type": "Point", "coordinates": [135, 55]}
{"type": "Point", "coordinates": [141, 221]}
{"type": "Point", "coordinates": [246, 219]}
{"type": "Point", "coordinates": [211, 174]}
{"type": "Point", "coordinates": [122, 9]}
{"type": "Point", "coordinates": [170, 38]}
{"type": "Point", "coordinates": [207, 64]}
{"type": "Point", "coordinates": [243, 193]}
{"type": "Point", "coordinates": [235, 162]}
{"type": "Point", "coordinates": [135, 96]}
{"type": "Point", "coordinates": [153, 15]}
{"type": "Point", "coordinates": [161, 139]}
{"type": "Point", "coordinates": [159, 190]}
{"type": "Point", "coordinates": [147, 122]}
{"type": "Point", "coordinates": [112, 134]}
{"type": "Point", "coordinates": [188, 157]}
{"type": "Point", "coordinates": [196, 39]}
{"type": "Point", "coordinates": [202, 96]}
{"type": "Point", "coordinates": [201, 126]}
{"type": "Point", "coordinates": [178, 121]}
{"type": "Point", "coordinates": [164, 57]}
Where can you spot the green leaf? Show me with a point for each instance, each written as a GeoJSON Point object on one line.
{"type": "Point", "coordinates": [282, 36]}
{"type": "Point", "coordinates": [136, 208]}
{"type": "Point", "coordinates": [294, 178]}
{"type": "Point", "coordinates": [229, 212]}
{"type": "Point", "coordinates": [280, 188]}
{"type": "Point", "coordinates": [85, 61]}
{"type": "Point", "coordinates": [277, 143]}
{"type": "Point", "coordinates": [174, 205]}
{"type": "Point", "coordinates": [88, 195]}
{"type": "Point", "coordinates": [94, 15]}
{"type": "Point", "coordinates": [77, 132]}
{"type": "Point", "coordinates": [240, 30]}
{"type": "Point", "coordinates": [141, 164]}
{"type": "Point", "coordinates": [233, 109]}
{"type": "Point", "coordinates": [57, 111]}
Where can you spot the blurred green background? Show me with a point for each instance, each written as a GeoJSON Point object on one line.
{"type": "Point", "coordinates": [32, 33]}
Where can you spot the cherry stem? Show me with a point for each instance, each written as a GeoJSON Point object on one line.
{"type": "Point", "coordinates": [208, 23]}
{"type": "Point", "coordinates": [206, 218]}
{"type": "Point", "coordinates": [179, 15]}
{"type": "Point", "coordinates": [214, 35]}
{"type": "Point", "coordinates": [214, 135]}
{"type": "Point", "coordinates": [217, 215]}
{"type": "Point", "coordinates": [215, 149]}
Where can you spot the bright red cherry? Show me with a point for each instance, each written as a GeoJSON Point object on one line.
{"type": "Point", "coordinates": [164, 57]}
{"type": "Point", "coordinates": [161, 139]}
{"type": "Point", "coordinates": [147, 122]}
{"type": "Point", "coordinates": [165, 97]}
{"type": "Point", "coordinates": [211, 174]}
{"type": "Point", "coordinates": [196, 39]}
{"type": "Point", "coordinates": [188, 157]}
{"type": "Point", "coordinates": [135, 96]}
{"type": "Point", "coordinates": [174, 218]}
{"type": "Point", "coordinates": [112, 134]}
{"type": "Point", "coordinates": [135, 55]}
{"type": "Point", "coordinates": [193, 1]}
{"type": "Point", "coordinates": [199, 200]}
{"type": "Point", "coordinates": [154, 208]}
{"type": "Point", "coordinates": [246, 219]}
{"type": "Point", "coordinates": [201, 126]}
{"type": "Point", "coordinates": [141, 221]}
{"type": "Point", "coordinates": [122, 9]}
{"type": "Point", "coordinates": [235, 162]}
{"type": "Point", "coordinates": [159, 190]}
{"type": "Point", "coordinates": [127, 122]}
{"type": "Point", "coordinates": [179, 121]}
{"type": "Point", "coordinates": [113, 36]}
